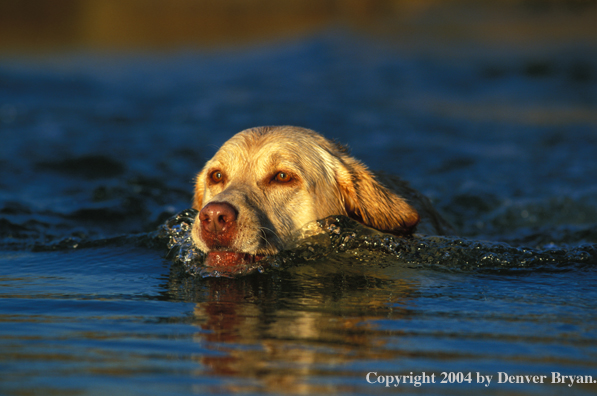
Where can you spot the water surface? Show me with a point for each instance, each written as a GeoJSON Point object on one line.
{"type": "Point", "coordinates": [99, 151]}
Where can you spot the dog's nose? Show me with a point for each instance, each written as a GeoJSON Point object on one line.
{"type": "Point", "coordinates": [218, 219]}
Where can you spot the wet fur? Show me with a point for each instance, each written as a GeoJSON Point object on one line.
{"type": "Point", "coordinates": [325, 181]}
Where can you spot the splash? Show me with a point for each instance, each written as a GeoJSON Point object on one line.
{"type": "Point", "coordinates": [177, 231]}
{"type": "Point", "coordinates": [340, 237]}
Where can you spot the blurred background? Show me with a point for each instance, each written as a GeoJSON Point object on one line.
{"type": "Point", "coordinates": [108, 108]}
{"type": "Point", "coordinates": [36, 25]}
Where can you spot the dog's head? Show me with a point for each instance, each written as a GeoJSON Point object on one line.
{"type": "Point", "coordinates": [265, 183]}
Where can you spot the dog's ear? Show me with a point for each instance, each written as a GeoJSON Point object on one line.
{"type": "Point", "coordinates": [372, 204]}
{"type": "Point", "coordinates": [199, 186]}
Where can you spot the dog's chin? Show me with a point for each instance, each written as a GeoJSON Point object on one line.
{"type": "Point", "coordinates": [221, 259]}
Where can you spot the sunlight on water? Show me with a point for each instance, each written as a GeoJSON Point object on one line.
{"type": "Point", "coordinates": [488, 108]}
{"type": "Point", "coordinates": [338, 237]}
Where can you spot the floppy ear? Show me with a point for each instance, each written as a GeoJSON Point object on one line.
{"type": "Point", "coordinates": [198, 197]}
{"type": "Point", "coordinates": [372, 204]}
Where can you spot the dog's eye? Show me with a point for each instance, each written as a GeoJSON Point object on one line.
{"type": "Point", "coordinates": [282, 177]}
{"type": "Point", "coordinates": [216, 176]}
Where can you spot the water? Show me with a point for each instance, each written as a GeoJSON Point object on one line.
{"type": "Point", "coordinates": [98, 153]}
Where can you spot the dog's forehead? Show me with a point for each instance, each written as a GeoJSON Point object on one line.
{"type": "Point", "coordinates": [272, 149]}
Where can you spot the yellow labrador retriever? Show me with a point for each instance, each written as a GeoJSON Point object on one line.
{"type": "Point", "coordinates": [266, 183]}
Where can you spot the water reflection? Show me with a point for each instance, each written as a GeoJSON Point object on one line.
{"type": "Point", "coordinates": [287, 329]}
{"type": "Point", "coordinates": [368, 302]}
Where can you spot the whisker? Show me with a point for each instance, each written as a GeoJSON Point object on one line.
{"type": "Point", "coordinates": [262, 235]}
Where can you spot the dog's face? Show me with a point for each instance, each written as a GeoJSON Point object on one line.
{"type": "Point", "coordinates": [265, 183]}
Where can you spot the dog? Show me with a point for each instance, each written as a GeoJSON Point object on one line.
{"type": "Point", "coordinates": [266, 183]}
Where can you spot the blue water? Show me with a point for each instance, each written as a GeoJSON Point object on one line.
{"type": "Point", "coordinates": [99, 151]}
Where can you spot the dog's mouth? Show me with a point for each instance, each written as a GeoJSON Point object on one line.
{"type": "Point", "coordinates": [229, 260]}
